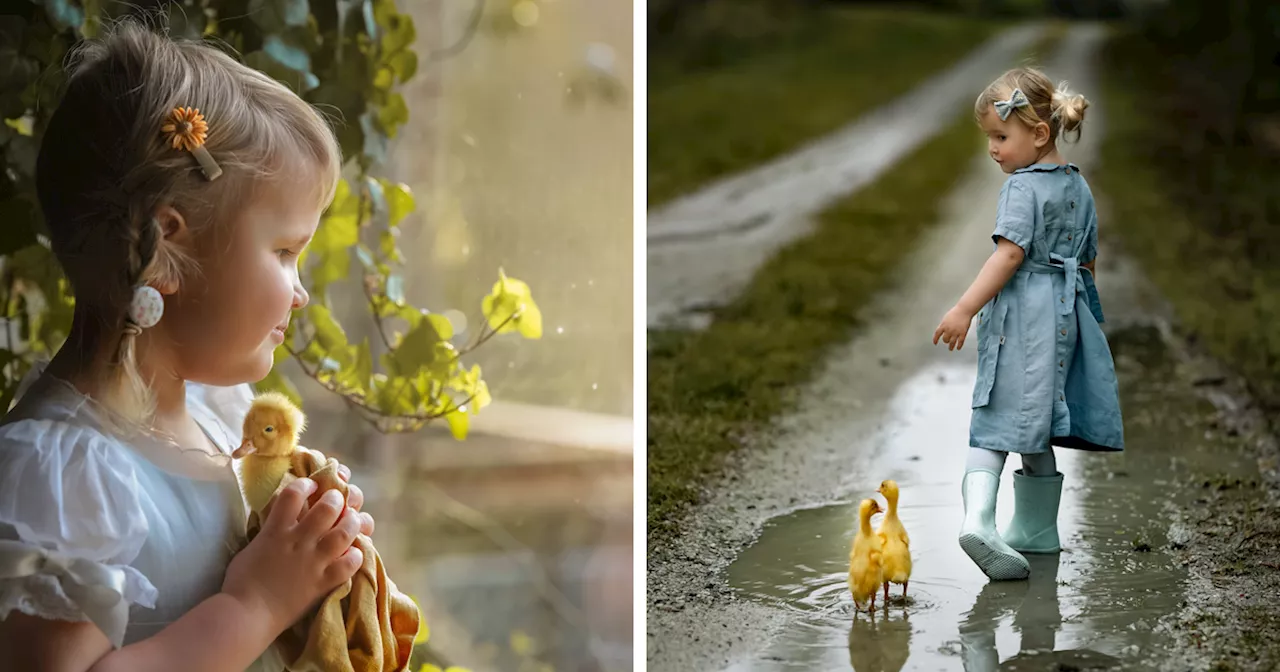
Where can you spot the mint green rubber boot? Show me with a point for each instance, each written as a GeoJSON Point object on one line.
{"type": "Point", "coordinates": [978, 536]}
{"type": "Point", "coordinates": [1034, 528]}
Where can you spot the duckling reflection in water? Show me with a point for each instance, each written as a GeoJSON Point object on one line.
{"type": "Point", "coordinates": [880, 644]}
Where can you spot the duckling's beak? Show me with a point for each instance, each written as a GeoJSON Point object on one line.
{"type": "Point", "coordinates": [245, 448]}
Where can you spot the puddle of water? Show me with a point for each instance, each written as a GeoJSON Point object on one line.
{"type": "Point", "coordinates": [1098, 605]}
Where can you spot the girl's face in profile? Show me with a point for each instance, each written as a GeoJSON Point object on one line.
{"type": "Point", "coordinates": [1010, 143]}
{"type": "Point", "coordinates": [226, 322]}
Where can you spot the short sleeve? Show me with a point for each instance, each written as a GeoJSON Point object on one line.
{"type": "Point", "coordinates": [1016, 215]}
{"type": "Point", "coordinates": [71, 521]}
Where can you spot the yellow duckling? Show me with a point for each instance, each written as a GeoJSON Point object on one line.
{"type": "Point", "coordinates": [271, 430]}
{"type": "Point", "coordinates": [896, 543]}
{"type": "Point", "coordinates": [865, 571]}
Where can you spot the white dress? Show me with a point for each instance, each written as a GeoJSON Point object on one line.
{"type": "Point", "coordinates": [130, 536]}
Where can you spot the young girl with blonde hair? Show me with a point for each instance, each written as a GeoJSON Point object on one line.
{"type": "Point", "coordinates": [179, 187]}
{"type": "Point", "coordinates": [1045, 373]}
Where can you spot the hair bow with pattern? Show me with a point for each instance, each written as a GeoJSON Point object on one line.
{"type": "Point", "coordinates": [1005, 107]}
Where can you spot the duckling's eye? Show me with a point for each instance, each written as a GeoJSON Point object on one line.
{"type": "Point", "coordinates": [268, 429]}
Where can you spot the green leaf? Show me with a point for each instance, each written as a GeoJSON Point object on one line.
{"type": "Point", "coordinates": [398, 31]}
{"type": "Point", "coordinates": [411, 315]}
{"type": "Point", "coordinates": [359, 375]}
{"type": "Point", "coordinates": [400, 202]}
{"type": "Point", "coordinates": [442, 325]}
{"type": "Point", "coordinates": [389, 247]}
{"type": "Point", "coordinates": [459, 423]}
{"type": "Point", "coordinates": [393, 115]}
{"type": "Point", "coordinates": [510, 307]}
{"type": "Point", "coordinates": [418, 349]}
{"type": "Point", "coordinates": [404, 64]}
{"type": "Point", "coordinates": [328, 332]}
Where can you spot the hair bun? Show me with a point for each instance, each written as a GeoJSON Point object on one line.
{"type": "Point", "coordinates": [1069, 108]}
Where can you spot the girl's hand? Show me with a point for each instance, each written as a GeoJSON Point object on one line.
{"type": "Point", "coordinates": [954, 328]}
{"type": "Point", "coordinates": [355, 496]}
{"type": "Point", "coordinates": [355, 499]}
{"type": "Point", "coordinates": [298, 556]}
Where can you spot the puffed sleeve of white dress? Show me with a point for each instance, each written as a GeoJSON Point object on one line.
{"type": "Point", "coordinates": [70, 523]}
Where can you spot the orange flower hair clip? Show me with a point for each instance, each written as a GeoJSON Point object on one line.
{"type": "Point", "coordinates": [188, 130]}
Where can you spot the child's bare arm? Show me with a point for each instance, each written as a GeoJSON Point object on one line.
{"type": "Point", "coordinates": [1000, 266]}
{"type": "Point", "coordinates": [219, 634]}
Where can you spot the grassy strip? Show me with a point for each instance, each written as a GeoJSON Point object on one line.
{"type": "Point", "coordinates": [827, 65]}
{"type": "Point", "coordinates": [1205, 225]}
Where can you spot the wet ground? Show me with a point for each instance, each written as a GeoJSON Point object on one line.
{"type": "Point", "coordinates": [1104, 603]}
{"type": "Point", "coordinates": [756, 580]}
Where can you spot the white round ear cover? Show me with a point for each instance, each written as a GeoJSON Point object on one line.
{"type": "Point", "coordinates": [147, 307]}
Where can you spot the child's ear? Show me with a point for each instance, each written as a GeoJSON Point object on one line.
{"type": "Point", "coordinates": [1041, 134]}
{"type": "Point", "coordinates": [175, 239]}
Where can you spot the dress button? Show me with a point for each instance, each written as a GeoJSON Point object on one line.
{"type": "Point", "coordinates": [1002, 340]}
{"type": "Point", "coordinates": [1060, 363]}
{"type": "Point", "coordinates": [1068, 236]}
{"type": "Point", "coordinates": [1062, 299]}
{"type": "Point", "coordinates": [1073, 204]}
{"type": "Point", "coordinates": [1061, 397]}
{"type": "Point", "coordinates": [1064, 332]}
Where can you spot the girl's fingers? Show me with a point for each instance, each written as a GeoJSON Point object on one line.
{"type": "Point", "coordinates": [323, 514]}
{"type": "Point", "coordinates": [344, 567]}
{"type": "Point", "coordinates": [355, 497]}
{"type": "Point", "coordinates": [344, 472]}
{"type": "Point", "coordinates": [284, 509]}
{"type": "Point", "coordinates": [336, 541]}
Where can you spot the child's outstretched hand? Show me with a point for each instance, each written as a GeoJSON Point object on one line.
{"type": "Point", "coordinates": [954, 328]}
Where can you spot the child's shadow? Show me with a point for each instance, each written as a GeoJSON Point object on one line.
{"type": "Point", "coordinates": [1036, 616]}
{"type": "Point", "coordinates": [880, 642]}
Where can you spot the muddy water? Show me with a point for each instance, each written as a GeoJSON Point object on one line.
{"type": "Point", "coordinates": [1100, 604]}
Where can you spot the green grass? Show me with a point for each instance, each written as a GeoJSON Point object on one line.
{"type": "Point", "coordinates": [822, 68]}
{"type": "Point", "coordinates": [1204, 224]}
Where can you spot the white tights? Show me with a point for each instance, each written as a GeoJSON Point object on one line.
{"type": "Point", "coordinates": [1033, 464]}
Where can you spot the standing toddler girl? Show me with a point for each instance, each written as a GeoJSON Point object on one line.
{"type": "Point", "coordinates": [1045, 373]}
{"type": "Point", "coordinates": [179, 188]}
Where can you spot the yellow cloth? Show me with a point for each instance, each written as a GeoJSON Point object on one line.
{"type": "Point", "coordinates": [365, 624]}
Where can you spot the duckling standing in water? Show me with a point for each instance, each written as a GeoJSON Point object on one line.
{"type": "Point", "coordinates": [865, 568]}
{"type": "Point", "coordinates": [896, 545]}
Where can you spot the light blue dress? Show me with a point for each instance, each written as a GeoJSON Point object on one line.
{"type": "Point", "coordinates": [1045, 372]}
{"type": "Point", "coordinates": [128, 535]}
